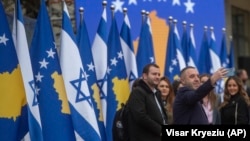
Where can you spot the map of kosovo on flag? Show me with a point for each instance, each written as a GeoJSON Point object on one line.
{"type": "Point", "coordinates": [198, 12]}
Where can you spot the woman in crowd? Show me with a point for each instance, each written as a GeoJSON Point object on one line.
{"type": "Point", "coordinates": [210, 103]}
{"type": "Point", "coordinates": [235, 107]}
{"type": "Point", "coordinates": [167, 95]}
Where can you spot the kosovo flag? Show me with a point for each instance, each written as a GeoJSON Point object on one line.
{"type": "Point", "coordinates": [204, 55]}
{"type": "Point", "coordinates": [13, 104]}
{"type": "Point", "coordinates": [145, 52]}
{"type": "Point", "coordinates": [175, 60]}
{"type": "Point", "coordinates": [117, 82]}
{"type": "Point", "coordinates": [22, 49]}
{"type": "Point", "coordinates": [89, 65]}
{"type": "Point", "coordinates": [49, 89]}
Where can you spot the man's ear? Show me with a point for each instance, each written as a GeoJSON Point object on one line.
{"type": "Point", "coordinates": [182, 81]}
{"type": "Point", "coordinates": [144, 76]}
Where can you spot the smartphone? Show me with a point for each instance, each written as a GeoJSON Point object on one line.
{"type": "Point", "coordinates": [231, 72]}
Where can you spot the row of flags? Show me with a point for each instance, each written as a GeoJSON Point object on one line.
{"type": "Point", "coordinates": [72, 93]}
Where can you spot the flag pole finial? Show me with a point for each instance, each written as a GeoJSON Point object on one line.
{"type": "Point", "coordinates": [112, 7]}
{"type": "Point", "coordinates": [184, 23]}
{"type": "Point", "coordinates": [170, 19]}
{"type": "Point", "coordinates": [143, 13]}
{"type": "Point", "coordinates": [175, 21]}
{"type": "Point", "coordinates": [205, 28]}
{"type": "Point", "coordinates": [211, 28]}
{"type": "Point", "coordinates": [125, 10]}
{"type": "Point", "coordinates": [104, 3]}
{"type": "Point", "coordinates": [191, 25]}
{"type": "Point", "coordinates": [81, 10]}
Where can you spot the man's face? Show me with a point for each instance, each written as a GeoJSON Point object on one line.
{"type": "Point", "coordinates": [153, 76]}
{"type": "Point", "coordinates": [191, 79]}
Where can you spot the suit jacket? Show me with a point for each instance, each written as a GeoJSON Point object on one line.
{"type": "Point", "coordinates": [145, 118]}
{"type": "Point", "coordinates": [187, 107]}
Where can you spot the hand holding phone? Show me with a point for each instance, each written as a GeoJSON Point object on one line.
{"type": "Point", "coordinates": [231, 72]}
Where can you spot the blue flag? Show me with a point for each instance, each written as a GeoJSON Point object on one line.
{"type": "Point", "coordinates": [231, 54]}
{"type": "Point", "coordinates": [145, 52]}
{"type": "Point", "coordinates": [171, 61]}
{"type": "Point", "coordinates": [192, 57]}
{"type": "Point", "coordinates": [50, 90]}
{"type": "Point", "coordinates": [128, 51]}
{"type": "Point", "coordinates": [75, 80]}
{"type": "Point", "coordinates": [175, 60]}
{"type": "Point", "coordinates": [117, 82]}
{"type": "Point", "coordinates": [13, 107]}
{"type": "Point", "coordinates": [89, 65]}
{"type": "Point", "coordinates": [204, 55]}
{"type": "Point", "coordinates": [22, 49]}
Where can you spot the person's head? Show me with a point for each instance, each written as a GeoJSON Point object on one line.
{"type": "Point", "coordinates": [233, 85]}
{"type": "Point", "coordinates": [204, 78]}
{"type": "Point", "coordinates": [165, 87]}
{"type": "Point", "coordinates": [190, 77]}
{"type": "Point", "coordinates": [242, 74]}
{"type": "Point", "coordinates": [151, 75]}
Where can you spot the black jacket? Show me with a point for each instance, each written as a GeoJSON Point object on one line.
{"type": "Point", "coordinates": [235, 112]}
{"type": "Point", "coordinates": [145, 118]}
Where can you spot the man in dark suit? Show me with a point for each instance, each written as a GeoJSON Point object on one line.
{"type": "Point", "coordinates": [242, 74]}
{"type": "Point", "coordinates": [146, 109]}
{"type": "Point", "coordinates": [187, 107]}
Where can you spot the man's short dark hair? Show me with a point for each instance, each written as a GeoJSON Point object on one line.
{"type": "Point", "coordinates": [146, 68]}
{"type": "Point", "coordinates": [184, 69]}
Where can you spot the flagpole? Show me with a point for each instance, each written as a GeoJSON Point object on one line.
{"type": "Point", "coordinates": [175, 22]}
{"type": "Point", "coordinates": [191, 25]}
{"type": "Point", "coordinates": [125, 10]}
{"type": "Point", "coordinates": [184, 23]}
{"type": "Point", "coordinates": [112, 7]}
{"type": "Point", "coordinates": [170, 19]}
{"type": "Point", "coordinates": [81, 10]}
{"type": "Point", "coordinates": [143, 12]}
{"type": "Point", "coordinates": [211, 28]}
{"type": "Point", "coordinates": [104, 3]}
{"type": "Point", "coordinates": [205, 28]}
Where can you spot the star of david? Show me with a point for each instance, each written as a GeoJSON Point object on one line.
{"type": "Point", "coordinates": [32, 85]}
{"type": "Point", "coordinates": [77, 84]}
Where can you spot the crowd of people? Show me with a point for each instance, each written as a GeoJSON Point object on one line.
{"type": "Point", "coordinates": [155, 101]}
